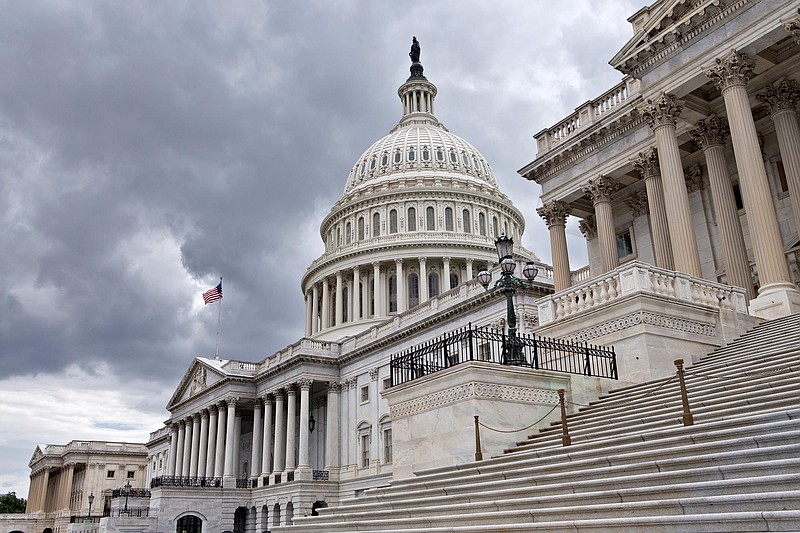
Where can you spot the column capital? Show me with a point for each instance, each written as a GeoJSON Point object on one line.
{"type": "Point", "coordinates": [793, 27]}
{"type": "Point", "coordinates": [373, 374]}
{"type": "Point", "coordinates": [588, 227]}
{"type": "Point", "coordinates": [290, 390]}
{"type": "Point", "coordinates": [422, 259]}
{"type": "Point", "coordinates": [637, 203]}
{"type": "Point", "coordinates": [195, 417]}
{"type": "Point", "coordinates": [376, 264]}
{"type": "Point", "coordinates": [731, 70]}
{"type": "Point", "coordinates": [304, 384]}
{"type": "Point", "coordinates": [712, 131]}
{"type": "Point", "coordinates": [554, 213]}
{"type": "Point", "coordinates": [663, 110]}
{"type": "Point", "coordinates": [398, 262]}
{"type": "Point", "coordinates": [279, 394]}
{"type": "Point", "coordinates": [267, 399]}
{"type": "Point", "coordinates": [469, 260]}
{"type": "Point", "coordinates": [230, 401]}
{"type": "Point", "coordinates": [694, 178]}
{"type": "Point", "coordinates": [203, 413]}
{"type": "Point", "coordinates": [334, 386]}
{"type": "Point", "coordinates": [784, 97]}
{"type": "Point", "coordinates": [647, 164]}
{"type": "Point", "coordinates": [600, 189]}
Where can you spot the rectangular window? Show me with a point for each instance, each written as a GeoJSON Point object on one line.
{"type": "Point", "coordinates": [365, 451]}
{"type": "Point", "coordinates": [387, 382]}
{"type": "Point", "coordinates": [624, 244]}
{"type": "Point", "coordinates": [387, 445]}
{"type": "Point", "coordinates": [781, 175]}
{"type": "Point", "coordinates": [737, 196]}
{"type": "Point", "coordinates": [365, 394]}
{"type": "Point", "coordinates": [110, 474]}
{"type": "Point", "coordinates": [130, 474]}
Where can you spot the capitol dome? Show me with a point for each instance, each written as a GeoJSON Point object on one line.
{"type": "Point", "coordinates": [419, 216]}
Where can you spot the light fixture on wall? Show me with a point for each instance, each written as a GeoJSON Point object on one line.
{"type": "Point", "coordinates": [311, 422]}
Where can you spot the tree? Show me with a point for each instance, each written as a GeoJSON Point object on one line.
{"type": "Point", "coordinates": [9, 503]}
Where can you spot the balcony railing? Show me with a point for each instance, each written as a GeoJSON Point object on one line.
{"type": "Point", "coordinates": [139, 512]}
{"type": "Point", "coordinates": [487, 345]}
{"type": "Point", "coordinates": [134, 493]}
{"type": "Point", "coordinates": [179, 481]}
{"type": "Point", "coordinates": [320, 475]}
{"type": "Point", "coordinates": [246, 484]}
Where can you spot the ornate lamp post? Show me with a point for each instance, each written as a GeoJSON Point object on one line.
{"type": "Point", "coordinates": [91, 501]}
{"type": "Point", "coordinates": [126, 490]}
{"type": "Point", "coordinates": [508, 285]}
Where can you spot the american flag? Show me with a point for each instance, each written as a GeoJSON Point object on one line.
{"type": "Point", "coordinates": [212, 295]}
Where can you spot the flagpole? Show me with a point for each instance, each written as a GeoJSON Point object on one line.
{"type": "Point", "coordinates": [219, 319]}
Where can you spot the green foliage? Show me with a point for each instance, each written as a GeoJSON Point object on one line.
{"type": "Point", "coordinates": [9, 503]}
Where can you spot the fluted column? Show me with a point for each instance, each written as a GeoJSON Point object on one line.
{"type": "Point", "coordinates": [211, 452]}
{"type": "Point", "coordinates": [179, 451]}
{"type": "Point", "coordinates": [356, 298]}
{"type": "Point", "coordinates": [469, 269]}
{"type": "Point", "coordinates": [173, 450]}
{"type": "Point", "coordinates": [266, 447]}
{"type": "Point", "coordinates": [279, 455]}
{"type": "Point", "coordinates": [305, 389]}
{"type": "Point", "coordinates": [600, 191]}
{"type": "Point", "coordinates": [662, 114]}
{"type": "Point", "coordinates": [314, 309]}
{"type": "Point", "coordinates": [711, 134]}
{"type": "Point", "coordinates": [401, 286]}
{"type": "Point", "coordinates": [230, 438]}
{"type": "Point", "coordinates": [195, 445]}
{"type": "Point", "coordinates": [291, 434]}
{"type": "Point", "coordinates": [781, 101]}
{"type": "Point", "coordinates": [332, 425]}
{"type": "Point", "coordinates": [258, 438]}
{"type": "Point", "coordinates": [65, 493]}
{"type": "Point", "coordinates": [222, 430]}
{"type": "Point", "coordinates": [308, 314]}
{"type": "Point", "coordinates": [423, 280]}
{"type": "Point", "coordinates": [203, 451]}
{"type": "Point", "coordinates": [377, 293]}
{"type": "Point", "coordinates": [731, 75]}
{"type": "Point", "coordinates": [445, 275]}
{"type": "Point", "coordinates": [326, 305]}
{"type": "Point", "coordinates": [339, 299]}
{"type": "Point", "coordinates": [647, 167]}
{"type": "Point", "coordinates": [237, 444]}
{"type": "Point", "coordinates": [555, 216]}
{"type": "Point", "coordinates": [187, 448]}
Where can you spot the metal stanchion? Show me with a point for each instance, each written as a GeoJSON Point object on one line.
{"type": "Point", "coordinates": [478, 453]}
{"type": "Point", "coordinates": [565, 439]}
{"type": "Point", "coordinates": [688, 419]}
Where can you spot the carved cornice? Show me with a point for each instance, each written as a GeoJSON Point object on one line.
{"type": "Point", "coordinates": [694, 178]}
{"type": "Point", "coordinates": [637, 203]}
{"type": "Point", "coordinates": [793, 27]}
{"type": "Point", "coordinates": [712, 131]}
{"type": "Point", "coordinates": [643, 317]}
{"type": "Point", "coordinates": [601, 189]}
{"type": "Point", "coordinates": [661, 111]}
{"type": "Point", "coordinates": [554, 213]}
{"type": "Point", "coordinates": [647, 164]}
{"type": "Point", "coordinates": [730, 71]}
{"type": "Point", "coordinates": [784, 97]}
{"type": "Point", "coordinates": [304, 384]}
{"type": "Point", "coordinates": [588, 227]}
{"type": "Point", "coordinates": [334, 387]}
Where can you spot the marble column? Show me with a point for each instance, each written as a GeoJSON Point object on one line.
{"type": "Point", "coordinates": [445, 285]}
{"type": "Point", "coordinates": [555, 216]}
{"type": "Point", "coordinates": [237, 444]}
{"type": "Point", "coordinates": [202, 456]}
{"type": "Point", "coordinates": [230, 438]}
{"type": "Point", "coordinates": [266, 447]}
{"type": "Point", "coordinates": [179, 452]}
{"type": "Point", "coordinates": [380, 310]}
{"type": "Point", "coordinates": [45, 489]}
{"type": "Point", "coordinates": [291, 433]}
{"type": "Point", "coordinates": [65, 494]}
{"type": "Point", "coordinates": [195, 451]}
{"type": "Point", "coordinates": [600, 191]}
{"type": "Point", "coordinates": [356, 297]}
{"type": "Point", "coordinates": [258, 438]}
{"type": "Point", "coordinates": [279, 455]}
{"type": "Point", "coordinates": [187, 448]}
{"type": "Point", "coordinates": [469, 269]}
{"type": "Point", "coordinates": [711, 134]}
{"type": "Point", "coordinates": [402, 297]}
{"type": "Point", "coordinates": [211, 452]}
{"type": "Point", "coordinates": [219, 456]}
{"type": "Point", "coordinates": [339, 299]}
{"type": "Point", "coordinates": [305, 390]}
{"type": "Point", "coordinates": [326, 305]}
{"type": "Point", "coordinates": [173, 450]}
{"type": "Point", "coordinates": [662, 114]}
{"type": "Point", "coordinates": [332, 461]}
{"type": "Point", "coordinates": [780, 101]}
{"type": "Point", "coordinates": [314, 309]}
{"type": "Point", "coordinates": [647, 167]}
{"type": "Point", "coordinates": [309, 314]}
{"type": "Point", "coordinates": [781, 297]}
{"type": "Point", "coordinates": [423, 280]}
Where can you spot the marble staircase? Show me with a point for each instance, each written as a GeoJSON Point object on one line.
{"type": "Point", "coordinates": [632, 464]}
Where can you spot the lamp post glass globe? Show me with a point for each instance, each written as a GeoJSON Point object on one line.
{"type": "Point", "coordinates": [508, 265]}
{"type": "Point", "coordinates": [484, 278]}
{"type": "Point", "coordinates": [505, 247]}
{"type": "Point", "coordinates": [530, 271]}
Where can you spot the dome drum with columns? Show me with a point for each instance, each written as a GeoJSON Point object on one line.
{"type": "Point", "coordinates": [420, 213]}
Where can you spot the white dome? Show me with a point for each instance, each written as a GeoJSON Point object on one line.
{"type": "Point", "coordinates": [419, 148]}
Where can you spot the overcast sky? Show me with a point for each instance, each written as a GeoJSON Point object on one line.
{"type": "Point", "coordinates": [147, 148]}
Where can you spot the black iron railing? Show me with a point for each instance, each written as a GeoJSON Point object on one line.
{"type": "Point", "coordinates": [81, 519]}
{"type": "Point", "coordinates": [138, 512]}
{"type": "Point", "coordinates": [488, 345]}
{"type": "Point", "coordinates": [244, 484]}
{"type": "Point", "coordinates": [134, 493]}
{"type": "Point", "coordinates": [320, 475]}
{"type": "Point", "coordinates": [290, 475]}
{"type": "Point", "coordinates": [277, 478]}
{"type": "Point", "coordinates": [180, 481]}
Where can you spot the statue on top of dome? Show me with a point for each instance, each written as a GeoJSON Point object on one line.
{"type": "Point", "coordinates": [414, 53]}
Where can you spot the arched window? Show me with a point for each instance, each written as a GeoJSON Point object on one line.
{"type": "Point", "coordinates": [433, 284]}
{"type": "Point", "coordinates": [465, 159]}
{"type": "Point", "coordinates": [426, 154]}
{"type": "Point", "coordinates": [467, 222]}
{"type": "Point", "coordinates": [412, 154]}
{"type": "Point", "coordinates": [495, 228]}
{"type": "Point", "coordinates": [393, 294]}
{"type": "Point", "coordinates": [453, 280]}
{"type": "Point", "coordinates": [453, 157]}
{"type": "Point", "coordinates": [413, 290]}
{"type": "Point", "coordinates": [482, 223]}
{"type": "Point", "coordinates": [338, 236]}
{"type": "Point", "coordinates": [439, 154]}
{"type": "Point", "coordinates": [360, 228]}
{"type": "Point", "coordinates": [398, 156]}
{"type": "Point", "coordinates": [384, 159]}
{"type": "Point", "coordinates": [348, 230]}
{"type": "Point", "coordinates": [412, 219]}
{"type": "Point", "coordinates": [276, 515]}
{"type": "Point", "coordinates": [430, 218]}
{"type": "Point", "coordinates": [376, 224]}
{"type": "Point", "coordinates": [372, 164]}
{"type": "Point", "coordinates": [448, 219]}
{"type": "Point", "coordinates": [505, 228]}
{"type": "Point", "coordinates": [393, 221]}
{"type": "Point", "coordinates": [289, 513]}
{"type": "Point", "coordinates": [345, 303]}
{"type": "Point", "coordinates": [189, 524]}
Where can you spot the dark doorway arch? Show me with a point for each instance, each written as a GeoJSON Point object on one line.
{"type": "Point", "coordinates": [240, 520]}
{"type": "Point", "coordinates": [47, 530]}
{"type": "Point", "coordinates": [189, 524]}
{"type": "Point", "coordinates": [319, 504]}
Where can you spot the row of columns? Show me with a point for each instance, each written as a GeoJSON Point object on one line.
{"type": "Point", "coordinates": [674, 240]}
{"type": "Point", "coordinates": [39, 497]}
{"type": "Point", "coordinates": [320, 316]}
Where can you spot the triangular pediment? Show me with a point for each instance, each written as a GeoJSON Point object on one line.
{"type": "Point", "coordinates": [660, 26]}
{"type": "Point", "coordinates": [38, 454]}
{"type": "Point", "coordinates": [202, 374]}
